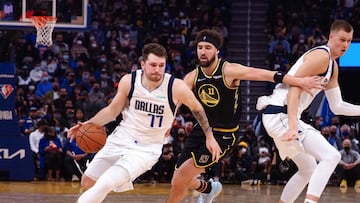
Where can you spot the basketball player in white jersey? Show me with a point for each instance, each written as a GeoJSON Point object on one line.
{"type": "Point", "coordinates": [147, 99]}
{"type": "Point", "coordinates": [300, 141]}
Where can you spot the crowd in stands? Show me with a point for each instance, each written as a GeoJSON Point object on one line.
{"type": "Point", "coordinates": [78, 75]}
{"type": "Point", "coordinates": [68, 82]}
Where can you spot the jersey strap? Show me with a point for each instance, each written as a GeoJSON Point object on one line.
{"type": "Point", "coordinates": [133, 76]}
{"type": "Point", "coordinates": [170, 96]}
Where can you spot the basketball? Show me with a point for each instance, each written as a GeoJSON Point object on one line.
{"type": "Point", "coordinates": [90, 137]}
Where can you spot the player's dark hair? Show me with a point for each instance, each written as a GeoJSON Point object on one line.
{"type": "Point", "coordinates": [211, 36]}
{"type": "Point", "coordinates": [153, 48]}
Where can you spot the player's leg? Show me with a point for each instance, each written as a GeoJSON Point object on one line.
{"type": "Point", "coordinates": [316, 145]}
{"type": "Point", "coordinates": [110, 180]}
{"type": "Point", "coordinates": [184, 179]}
{"type": "Point", "coordinates": [306, 165]}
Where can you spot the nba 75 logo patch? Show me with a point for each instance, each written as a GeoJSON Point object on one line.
{"type": "Point", "coordinates": [6, 90]}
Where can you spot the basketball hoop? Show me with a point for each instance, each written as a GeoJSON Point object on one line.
{"type": "Point", "coordinates": [44, 27]}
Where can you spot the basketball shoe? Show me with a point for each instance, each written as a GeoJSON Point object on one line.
{"type": "Point", "coordinates": [343, 183]}
{"type": "Point", "coordinates": [216, 188]}
{"type": "Point", "coordinates": [357, 186]}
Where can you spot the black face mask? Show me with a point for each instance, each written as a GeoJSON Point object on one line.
{"type": "Point", "coordinates": [326, 135]}
{"type": "Point", "coordinates": [347, 149]}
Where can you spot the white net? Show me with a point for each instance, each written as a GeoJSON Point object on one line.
{"type": "Point", "coordinates": [44, 27]}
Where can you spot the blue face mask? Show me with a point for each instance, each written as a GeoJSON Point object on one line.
{"type": "Point", "coordinates": [345, 133]}
{"type": "Point", "coordinates": [57, 129]}
{"type": "Point", "coordinates": [66, 57]}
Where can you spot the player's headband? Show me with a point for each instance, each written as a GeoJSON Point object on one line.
{"type": "Point", "coordinates": [212, 40]}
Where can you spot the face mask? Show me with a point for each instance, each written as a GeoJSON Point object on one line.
{"type": "Point", "coordinates": [243, 150]}
{"type": "Point", "coordinates": [66, 57]}
{"type": "Point", "coordinates": [347, 149]}
{"type": "Point", "coordinates": [45, 79]}
{"type": "Point", "coordinates": [177, 59]}
{"type": "Point", "coordinates": [345, 133]}
{"type": "Point", "coordinates": [57, 129]}
{"type": "Point", "coordinates": [301, 41]}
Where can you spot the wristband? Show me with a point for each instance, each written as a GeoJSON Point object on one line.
{"type": "Point", "coordinates": [279, 76]}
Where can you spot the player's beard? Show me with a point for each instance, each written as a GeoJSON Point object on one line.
{"type": "Point", "coordinates": [207, 63]}
{"type": "Point", "coordinates": [155, 77]}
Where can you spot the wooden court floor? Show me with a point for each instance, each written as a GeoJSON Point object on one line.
{"type": "Point", "coordinates": [59, 192]}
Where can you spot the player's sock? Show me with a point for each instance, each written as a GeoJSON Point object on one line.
{"type": "Point", "coordinates": [309, 201]}
{"type": "Point", "coordinates": [204, 187]}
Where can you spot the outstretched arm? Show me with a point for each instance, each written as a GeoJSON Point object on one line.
{"type": "Point", "coordinates": [333, 93]}
{"type": "Point", "coordinates": [236, 71]}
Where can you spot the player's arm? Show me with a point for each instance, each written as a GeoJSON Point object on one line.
{"type": "Point", "coordinates": [336, 103]}
{"type": "Point", "coordinates": [315, 62]}
{"type": "Point", "coordinates": [182, 94]}
{"type": "Point", "coordinates": [239, 72]}
{"type": "Point", "coordinates": [189, 79]}
{"type": "Point", "coordinates": [110, 112]}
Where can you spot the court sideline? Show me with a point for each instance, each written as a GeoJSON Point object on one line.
{"type": "Point", "coordinates": [58, 192]}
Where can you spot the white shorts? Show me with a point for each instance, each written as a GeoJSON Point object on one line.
{"type": "Point", "coordinates": [122, 150]}
{"type": "Point", "coordinates": [276, 125]}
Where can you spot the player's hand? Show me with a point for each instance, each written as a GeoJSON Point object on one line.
{"type": "Point", "coordinates": [290, 135]}
{"type": "Point", "coordinates": [213, 147]}
{"type": "Point", "coordinates": [72, 131]}
{"type": "Point", "coordinates": [312, 82]}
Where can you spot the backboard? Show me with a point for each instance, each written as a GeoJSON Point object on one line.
{"type": "Point", "coordinates": [70, 14]}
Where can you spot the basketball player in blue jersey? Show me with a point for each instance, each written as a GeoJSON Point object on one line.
{"type": "Point", "coordinates": [216, 84]}
{"type": "Point", "coordinates": [315, 158]}
{"type": "Point", "coordinates": [147, 99]}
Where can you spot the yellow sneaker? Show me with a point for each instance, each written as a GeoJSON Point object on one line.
{"type": "Point", "coordinates": [357, 186]}
{"type": "Point", "coordinates": [343, 183]}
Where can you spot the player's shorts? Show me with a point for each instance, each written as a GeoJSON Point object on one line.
{"type": "Point", "coordinates": [195, 146]}
{"type": "Point", "coordinates": [121, 150]}
{"type": "Point", "coordinates": [275, 121]}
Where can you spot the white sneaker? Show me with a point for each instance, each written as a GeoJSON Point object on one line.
{"type": "Point", "coordinates": [216, 188]}
{"type": "Point", "coordinates": [75, 178]}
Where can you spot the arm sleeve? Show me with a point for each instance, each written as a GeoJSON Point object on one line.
{"type": "Point", "coordinates": [340, 107]}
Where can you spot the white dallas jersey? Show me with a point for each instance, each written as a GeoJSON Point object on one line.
{"type": "Point", "coordinates": [279, 96]}
{"type": "Point", "coordinates": [149, 114]}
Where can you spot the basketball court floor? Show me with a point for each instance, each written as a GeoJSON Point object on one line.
{"type": "Point", "coordinates": [59, 192]}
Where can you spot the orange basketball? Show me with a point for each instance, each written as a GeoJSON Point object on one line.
{"type": "Point", "coordinates": [90, 137]}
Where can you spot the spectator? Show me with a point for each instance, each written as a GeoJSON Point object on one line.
{"type": "Point", "coordinates": [345, 134]}
{"type": "Point", "coordinates": [43, 86]}
{"type": "Point", "coordinates": [75, 161]}
{"type": "Point", "coordinates": [261, 166]}
{"type": "Point", "coordinates": [240, 163]}
{"type": "Point", "coordinates": [164, 168]}
{"type": "Point", "coordinates": [349, 166]}
{"type": "Point", "coordinates": [28, 123]}
{"type": "Point", "coordinates": [50, 151]}
{"type": "Point", "coordinates": [179, 142]}
{"type": "Point", "coordinates": [34, 140]}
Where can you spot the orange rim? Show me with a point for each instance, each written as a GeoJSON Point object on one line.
{"type": "Point", "coordinates": [40, 21]}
